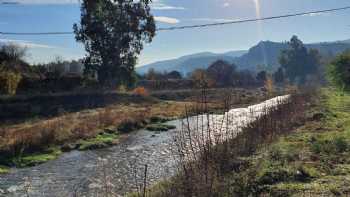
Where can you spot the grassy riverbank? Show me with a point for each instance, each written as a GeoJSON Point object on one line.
{"type": "Point", "coordinates": [31, 143]}
{"type": "Point", "coordinates": [314, 160]}
{"type": "Point", "coordinates": [38, 140]}
{"type": "Point", "coordinates": [310, 160]}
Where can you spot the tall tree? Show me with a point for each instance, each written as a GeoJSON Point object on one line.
{"type": "Point", "coordinates": [299, 62]}
{"type": "Point", "coordinates": [113, 32]}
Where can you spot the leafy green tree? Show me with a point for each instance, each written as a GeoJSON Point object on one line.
{"type": "Point", "coordinates": [113, 32]}
{"type": "Point", "coordinates": [339, 71]}
{"type": "Point", "coordinates": [299, 62]}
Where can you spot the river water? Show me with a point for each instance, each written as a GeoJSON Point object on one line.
{"type": "Point", "coordinates": [119, 168]}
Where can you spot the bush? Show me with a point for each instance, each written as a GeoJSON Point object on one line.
{"type": "Point", "coordinates": [9, 82]}
{"type": "Point", "coordinates": [334, 145]}
{"type": "Point", "coordinates": [140, 91]}
{"type": "Point", "coordinates": [130, 125]}
{"type": "Point", "coordinates": [338, 71]}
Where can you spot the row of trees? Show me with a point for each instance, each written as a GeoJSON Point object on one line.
{"type": "Point", "coordinates": [16, 73]}
{"type": "Point", "coordinates": [223, 74]}
{"type": "Point", "coordinates": [298, 66]}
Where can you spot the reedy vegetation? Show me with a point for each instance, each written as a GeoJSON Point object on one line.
{"type": "Point", "coordinates": [205, 165]}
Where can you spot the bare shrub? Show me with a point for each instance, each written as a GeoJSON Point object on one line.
{"type": "Point", "coordinates": [209, 148]}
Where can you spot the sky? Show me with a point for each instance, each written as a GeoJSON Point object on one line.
{"type": "Point", "coordinates": [60, 15]}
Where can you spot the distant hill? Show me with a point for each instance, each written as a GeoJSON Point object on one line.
{"type": "Point", "coordinates": [264, 53]}
{"type": "Point", "coordinates": [267, 53]}
{"type": "Point", "coordinates": [189, 63]}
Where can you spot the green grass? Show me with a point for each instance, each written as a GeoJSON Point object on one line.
{"type": "Point", "coordinates": [34, 159]}
{"type": "Point", "coordinates": [316, 158]}
{"type": "Point", "coordinates": [4, 169]}
{"type": "Point", "coordinates": [100, 141]}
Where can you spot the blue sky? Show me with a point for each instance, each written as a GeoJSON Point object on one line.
{"type": "Point", "coordinates": [59, 15]}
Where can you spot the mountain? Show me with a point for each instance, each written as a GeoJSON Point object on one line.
{"type": "Point", "coordinates": [186, 64]}
{"type": "Point", "coordinates": [265, 53]}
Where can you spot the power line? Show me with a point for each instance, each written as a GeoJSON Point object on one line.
{"type": "Point", "coordinates": [253, 20]}
{"type": "Point", "coordinates": [195, 26]}
{"type": "Point", "coordinates": [35, 34]}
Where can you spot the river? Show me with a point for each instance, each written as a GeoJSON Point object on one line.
{"type": "Point", "coordinates": [117, 168]}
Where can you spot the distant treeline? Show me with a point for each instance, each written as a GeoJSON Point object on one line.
{"type": "Point", "coordinates": [299, 66]}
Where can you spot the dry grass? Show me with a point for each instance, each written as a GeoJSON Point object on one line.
{"type": "Point", "coordinates": [36, 135]}
{"type": "Point", "coordinates": [205, 163]}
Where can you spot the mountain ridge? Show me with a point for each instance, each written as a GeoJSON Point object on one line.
{"type": "Point", "coordinates": [264, 53]}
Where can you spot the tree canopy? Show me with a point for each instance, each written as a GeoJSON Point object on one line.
{"type": "Point", "coordinates": [299, 62]}
{"type": "Point", "coordinates": [221, 72]}
{"type": "Point", "coordinates": [113, 32]}
{"type": "Point", "coordinates": [339, 71]}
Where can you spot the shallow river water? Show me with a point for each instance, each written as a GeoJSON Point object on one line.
{"type": "Point", "coordinates": [118, 168]}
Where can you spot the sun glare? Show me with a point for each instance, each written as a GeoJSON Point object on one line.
{"type": "Point", "coordinates": [260, 27]}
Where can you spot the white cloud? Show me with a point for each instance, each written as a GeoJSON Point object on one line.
{"type": "Point", "coordinates": [164, 19]}
{"type": "Point", "coordinates": [317, 14]}
{"type": "Point", "coordinates": [166, 7]}
{"type": "Point", "coordinates": [25, 43]}
{"type": "Point", "coordinates": [158, 5]}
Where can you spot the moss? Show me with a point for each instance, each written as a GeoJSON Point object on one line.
{"type": "Point", "coordinates": [34, 159]}
{"type": "Point", "coordinates": [100, 141]}
{"type": "Point", "coordinates": [4, 169]}
{"type": "Point", "coordinates": [160, 127]}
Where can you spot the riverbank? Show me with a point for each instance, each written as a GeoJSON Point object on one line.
{"type": "Point", "coordinates": [87, 173]}
{"type": "Point", "coordinates": [40, 140]}
{"type": "Point", "coordinates": [30, 144]}
{"type": "Point", "coordinates": [310, 160]}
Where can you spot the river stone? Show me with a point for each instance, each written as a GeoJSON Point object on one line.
{"type": "Point", "coordinates": [68, 147]}
{"type": "Point", "coordinates": [95, 186]}
{"type": "Point", "coordinates": [110, 131]}
{"type": "Point", "coordinates": [13, 188]}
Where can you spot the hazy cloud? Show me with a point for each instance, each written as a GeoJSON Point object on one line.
{"type": "Point", "coordinates": [226, 4]}
{"type": "Point", "coordinates": [317, 14]}
{"type": "Point", "coordinates": [159, 5]}
{"type": "Point", "coordinates": [215, 20]}
{"type": "Point", "coordinates": [25, 43]}
{"type": "Point", "coordinates": [164, 19]}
